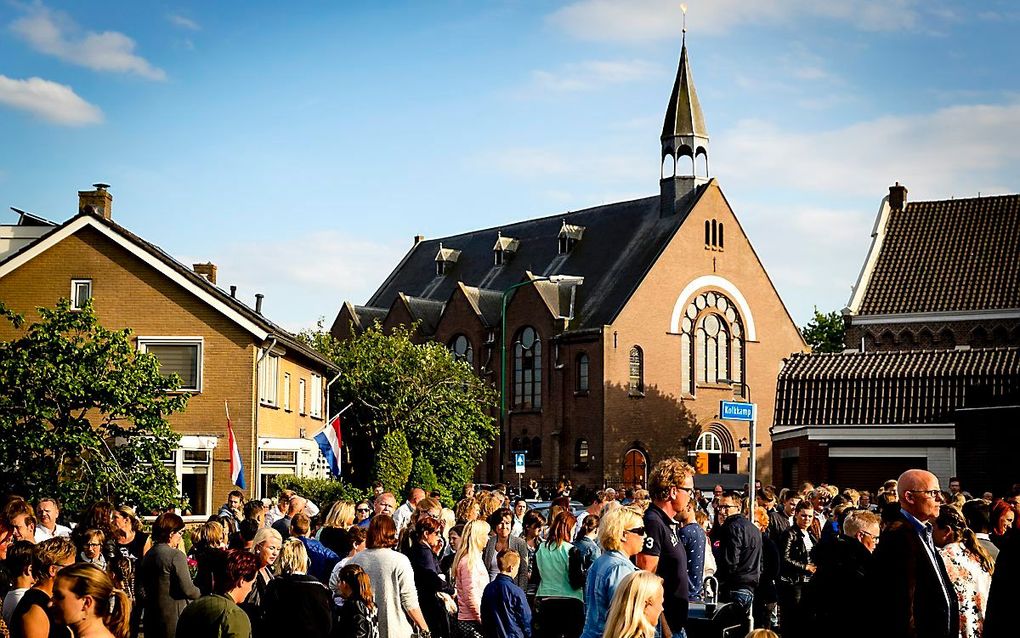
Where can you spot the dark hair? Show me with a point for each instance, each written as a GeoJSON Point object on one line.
{"type": "Point", "coordinates": [428, 525]}
{"type": "Point", "coordinates": [253, 507]}
{"type": "Point", "coordinates": [497, 517]}
{"type": "Point", "coordinates": [531, 518]}
{"type": "Point", "coordinates": [382, 532]}
{"type": "Point", "coordinates": [19, 558]}
{"type": "Point", "coordinates": [589, 524]}
{"type": "Point", "coordinates": [804, 505]}
{"type": "Point", "coordinates": [735, 495]}
{"type": "Point", "coordinates": [359, 583]}
{"type": "Point", "coordinates": [978, 515]}
{"type": "Point", "coordinates": [890, 512]}
{"type": "Point", "coordinates": [238, 493]}
{"type": "Point", "coordinates": [164, 527]}
{"type": "Point", "coordinates": [358, 535]}
{"type": "Point", "coordinates": [230, 569]}
{"type": "Point", "coordinates": [951, 518]}
{"type": "Point", "coordinates": [18, 507]}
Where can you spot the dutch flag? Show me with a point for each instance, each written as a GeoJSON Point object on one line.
{"type": "Point", "coordinates": [329, 443]}
{"type": "Point", "coordinates": [236, 467]}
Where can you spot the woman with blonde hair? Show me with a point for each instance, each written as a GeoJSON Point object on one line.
{"type": "Point", "coordinates": [85, 600]}
{"type": "Point", "coordinates": [266, 546]}
{"type": "Point", "coordinates": [127, 539]}
{"type": "Point", "coordinates": [621, 535]}
{"type": "Point", "coordinates": [470, 578]}
{"type": "Point", "coordinates": [968, 565]}
{"type": "Point", "coordinates": [636, 607]}
{"type": "Point", "coordinates": [296, 603]}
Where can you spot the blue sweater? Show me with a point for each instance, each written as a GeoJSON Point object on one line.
{"type": "Point", "coordinates": [505, 611]}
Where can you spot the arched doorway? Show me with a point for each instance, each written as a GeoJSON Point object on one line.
{"type": "Point", "coordinates": [635, 468]}
{"type": "Point", "coordinates": [714, 451]}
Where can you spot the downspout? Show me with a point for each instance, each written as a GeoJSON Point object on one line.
{"type": "Point", "coordinates": [255, 419]}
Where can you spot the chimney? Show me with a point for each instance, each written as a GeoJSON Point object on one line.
{"type": "Point", "coordinates": [258, 302]}
{"type": "Point", "coordinates": [897, 196]}
{"type": "Point", "coordinates": [98, 202]}
{"type": "Point", "coordinates": [233, 292]}
{"type": "Point", "coordinates": [207, 270]}
{"type": "Point", "coordinates": [418, 239]}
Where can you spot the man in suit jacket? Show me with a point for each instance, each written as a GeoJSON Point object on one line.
{"type": "Point", "coordinates": [917, 599]}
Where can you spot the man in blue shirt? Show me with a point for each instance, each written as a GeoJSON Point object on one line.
{"type": "Point", "coordinates": [505, 611]}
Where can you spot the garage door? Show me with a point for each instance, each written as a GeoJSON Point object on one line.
{"type": "Point", "coordinates": [869, 473]}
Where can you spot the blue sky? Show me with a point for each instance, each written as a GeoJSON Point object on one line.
{"type": "Point", "coordinates": [301, 146]}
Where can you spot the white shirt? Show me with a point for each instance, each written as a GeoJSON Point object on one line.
{"type": "Point", "coordinates": [43, 534]}
{"type": "Point", "coordinates": [403, 516]}
{"type": "Point", "coordinates": [11, 601]}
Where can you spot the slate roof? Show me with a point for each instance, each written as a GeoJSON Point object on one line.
{"type": "Point", "coordinates": [684, 115]}
{"type": "Point", "coordinates": [892, 387]}
{"type": "Point", "coordinates": [621, 243]}
{"type": "Point", "coordinates": [948, 255]}
{"type": "Point", "coordinates": [427, 311]}
{"type": "Point", "coordinates": [284, 337]}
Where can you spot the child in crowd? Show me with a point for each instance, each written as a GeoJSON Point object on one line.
{"type": "Point", "coordinates": [505, 611]}
{"type": "Point", "coordinates": [92, 548]}
{"type": "Point", "coordinates": [358, 618]}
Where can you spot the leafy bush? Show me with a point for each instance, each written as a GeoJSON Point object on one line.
{"type": "Point", "coordinates": [424, 476]}
{"type": "Point", "coordinates": [393, 464]}
{"type": "Point", "coordinates": [321, 491]}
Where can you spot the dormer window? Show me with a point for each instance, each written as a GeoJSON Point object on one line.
{"type": "Point", "coordinates": [445, 260]}
{"type": "Point", "coordinates": [569, 235]}
{"type": "Point", "coordinates": [504, 249]}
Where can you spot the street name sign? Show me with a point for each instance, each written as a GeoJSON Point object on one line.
{"type": "Point", "coordinates": [737, 411]}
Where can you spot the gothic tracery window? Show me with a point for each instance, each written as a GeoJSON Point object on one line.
{"type": "Point", "coordinates": [711, 342]}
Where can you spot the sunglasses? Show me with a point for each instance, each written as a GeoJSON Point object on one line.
{"type": "Point", "coordinates": [362, 510]}
{"type": "Point", "coordinates": [640, 531]}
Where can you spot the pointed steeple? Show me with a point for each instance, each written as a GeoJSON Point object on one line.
{"type": "Point", "coordinates": [684, 139]}
{"type": "Point", "coordinates": [683, 115]}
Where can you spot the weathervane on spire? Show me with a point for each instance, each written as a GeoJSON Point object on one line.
{"type": "Point", "coordinates": [683, 9]}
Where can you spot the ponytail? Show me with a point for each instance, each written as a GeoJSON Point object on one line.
{"type": "Point", "coordinates": [970, 541]}
{"type": "Point", "coordinates": [118, 620]}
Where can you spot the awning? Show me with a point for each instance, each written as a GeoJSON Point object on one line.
{"type": "Point", "coordinates": [705, 482]}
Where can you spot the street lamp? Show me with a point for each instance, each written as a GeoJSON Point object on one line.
{"type": "Point", "coordinates": [569, 280]}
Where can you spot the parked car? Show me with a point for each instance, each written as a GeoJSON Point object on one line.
{"type": "Point", "coordinates": [542, 507]}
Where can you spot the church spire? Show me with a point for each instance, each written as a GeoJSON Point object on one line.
{"type": "Point", "coordinates": [684, 137]}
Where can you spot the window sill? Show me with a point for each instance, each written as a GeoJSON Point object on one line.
{"type": "Point", "coordinates": [715, 386]}
{"type": "Point", "coordinates": [525, 411]}
{"type": "Point", "coordinates": [314, 418]}
{"type": "Point", "coordinates": [268, 405]}
{"type": "Point", "coordinates": [580, 393]}
{"type": "Point", "coordinates": [636, 395]}
{"type": "Point", "coordinates": [287, 410]}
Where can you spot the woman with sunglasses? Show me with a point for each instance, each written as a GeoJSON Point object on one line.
{"type": "Point", "coordinates": [622, 535]}
{"type": "Point", "coordinates": [163, 579]}
{"type": "Point", "coordinates": [362, 512]}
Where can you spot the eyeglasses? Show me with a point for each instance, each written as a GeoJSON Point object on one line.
{"type": "Point", "coordinates": [689, 490]}
{"type": "Point", "coordinates": [874, 536]}
{"type": "Point", "coordinates": [935, 494]}
{"type": "Point", "coordinates": [363, 510]}
{"type": "Point", "coordinates": [723, 508]}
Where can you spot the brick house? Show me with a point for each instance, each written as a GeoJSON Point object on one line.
{"type": "Point", "coordinates": [931, 374]}
{"type": "Point", "coordinates": [226, 353]}
{"type": "Point", "coordinates": [606, 378]}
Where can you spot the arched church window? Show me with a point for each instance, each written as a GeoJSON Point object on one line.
{"type": "Point", "coordinates": [582, 373]}
{"type": "Point", "coordinates": [462, 350]}
{"type": "Point", "coordinates": [637, 371]}
{"type": "Point", "coordinates": [527, 369]}
{"type": "Point", "coordinates": [711, 342]}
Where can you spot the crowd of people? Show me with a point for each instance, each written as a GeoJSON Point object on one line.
{"type": "Point", "coordinates": [640, 563]}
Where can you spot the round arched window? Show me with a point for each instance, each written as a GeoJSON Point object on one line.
{"type": "Point", "coordinates": [462, 350]}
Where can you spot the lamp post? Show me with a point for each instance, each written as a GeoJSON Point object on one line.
{"type": "Point", "coordinates": [556, 279]}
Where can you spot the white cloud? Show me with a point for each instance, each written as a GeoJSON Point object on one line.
{"type": "Point", "coordinates": [642, 20]}
{"type": "Point", "coordinates": [183, 22]}
{"type": "Point", "coordinates": [48, 100]}
{"type": "Point", "coordinates": [54, 33]}
{"type": "Point", "coordinates": [592, 75]}
{"type": "Point", "coordinates": [307, 277]}
{"type": "Point", "coordinates": [957, 150]}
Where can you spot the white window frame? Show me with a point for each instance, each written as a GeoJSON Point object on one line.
{"type": "Point", "coordinates": [301, 397]}
{"type": "Point", "coordinates": [286, 391]}
{"type": "Point", "coordinates": [315, 409]}
{"type": "Point", "coordinates": [269, 380]}
{"type": "Point", "coordinates": [145, 341]}
{"type": "Point", "coordinates": [74, 297]}
{"type": "Point", "coordinates": [180, 468]}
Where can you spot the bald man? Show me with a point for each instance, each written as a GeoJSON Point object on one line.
{"type": "Point", "coordinates": [917, 599]}
{"type": "Point", "coordinates": [403, 514]}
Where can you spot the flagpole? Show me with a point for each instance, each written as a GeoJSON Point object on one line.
{"type": "Point", "coordinates": [331, 382]}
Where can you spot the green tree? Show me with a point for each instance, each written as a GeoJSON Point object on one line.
{"type": "Point", "coordinates": [423, 476]}
{"type": "Point", "coordinates": [439, 403]}
{"type": "Point", "coordinates": [83, 413]}
{"type": "Point", "coordinates": [825, 332]}
{"type": "Point", "coordinates": [393, 464]}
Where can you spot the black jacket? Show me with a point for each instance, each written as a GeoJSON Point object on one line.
{"type": "Point", "coordinates": [910, 588]}
{"type": "Point", "coordinates": [1000, 615]}
{"type": "Point", "coordinates": [738, 561]}
{"type": "Point", "coordinates": [839, 585]}
{"type": "Point", "coordinates": [766, 591]}
{"type": "Point", "coordinates": [794, 556]}
{"type": "Point", "coordinates": [297, 605]}
{"type": "Point", "coordinates": [779, 522]}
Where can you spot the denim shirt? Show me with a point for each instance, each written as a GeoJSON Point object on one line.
{"type": "Point", "coordinates": [604, 576]}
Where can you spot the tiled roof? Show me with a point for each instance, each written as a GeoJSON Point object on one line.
{"type": "Point", "coordinates": [621, 242]}
{"type": "Point", "coordinates": [948, 255]}
{"type": "Point", "coordinates": [427, 311]}
{"type": "Point", "coordinates": [898, 387]}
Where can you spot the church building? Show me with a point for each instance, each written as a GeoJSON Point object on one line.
{"type": "Point", "coordinates": [608, 375]}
